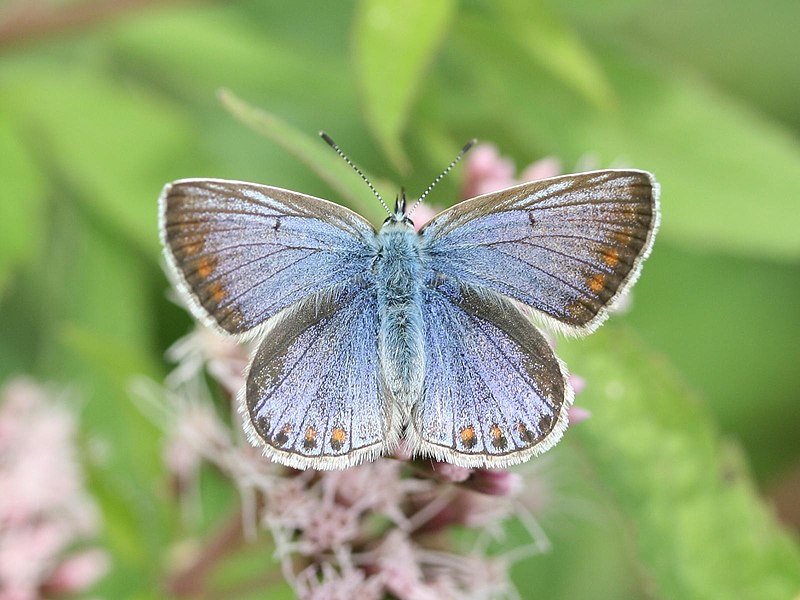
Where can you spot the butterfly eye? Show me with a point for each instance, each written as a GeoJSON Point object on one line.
{"type": "Point", "coordinates": [397, 218]}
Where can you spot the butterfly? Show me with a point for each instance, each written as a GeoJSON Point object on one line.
{"type": "Point", "coordinates": [367, 337]}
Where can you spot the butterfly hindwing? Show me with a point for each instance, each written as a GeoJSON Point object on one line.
{"type": "Point", "coordinates": [314, 395]}
{"type": "Point", "coordinates": [567, 246]}
{"type": "Point", "coordinates": [242, 252]}
{"type": "Point", "coordinates": [494, 392]}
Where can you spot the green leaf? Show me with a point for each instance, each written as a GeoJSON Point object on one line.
{"type": "Point", "coordinates": [116, 144]}
{"type": "Point", "coordinates": [697, 521]}
{"type": "Point", "coordinates": [21, 208]}
{"type": "Point", "coordinates": [290, 54]}
{"type": "Point", "coordinates": [729, 175]}
{"type": "Point", "coordinates": [311, 151]}
{"type": "Point", "coordinates": [742, 353]}
{"type": "Point", "coordinates": [731, 51]}
{"type": "Point", "coordinates": [93, 307]}
{"type": "Point", "coordinates": [393, 44]}
{"type": "Point", "coordinates": [548, 40]}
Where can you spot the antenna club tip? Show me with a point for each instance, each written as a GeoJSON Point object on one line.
{"type": "Point", "coordinates": [328, 139]}
{"type": "Point", "coordinates": [469, 145]}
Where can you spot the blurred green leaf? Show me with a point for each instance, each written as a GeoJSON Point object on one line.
{"type": "Point", "coordinates": [548, 40]}
{"type": "Point", "coordinates": [568, 504]}
{"type": "Point", "coordinates": [697, 521]}
{"type": "Point", "coordinates": [273, 55]}
{"type": "Point", "coordinates": [735, 343]}
{"type": "Point", "coordinates": [21, 326]}
{"type": "Point", "coordinates": [253, 566]}
{"type": "Point", "coordinates": [394, 42]}
{"type": "Point", "coordinates": [749, 51]}
{"type": "Point", "coordinates": [312, 152]}
{"type": "Point", "coordinates": [21, 218]}
{"type": "Point", "coordinates": [113, 142]}
{"type": "Point", "coordinates": [93, 306]}
{"type": "Point", "coordinates": [729, 176]}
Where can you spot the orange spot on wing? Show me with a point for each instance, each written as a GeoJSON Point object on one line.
{"type": "Point", "coordinates": [310, 439]}
{"type": "Point", "coordinates": [596, 282]}
{"type": "Point", "coordinates": [217, 293]}
{"type": "Point", "coordinates": [467, 435]}
{"type": "Point", "coordinates": [498, 439]}
{"type": "Point", "coordinates": [611, 257]}
{"type": "Point", "coordinates": [622, 238]}
{"type": "Point", "coordinates": [525, 434]}
{"type": "Point", "coordinates": [338, 436]}
{"type": "Point", "coordinates": [205, 267]}
{"type": "Point", "coordinates": [577, 309]}
{"type": "Point", "coordinates": [283, 435]}
{"type": "Point", "coordinates": [193, 248]}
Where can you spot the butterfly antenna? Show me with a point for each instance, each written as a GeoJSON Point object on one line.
{"type": "Point", "coordinates": [461, 154]}
{"type": "Point", "coordinates": [329, 140]}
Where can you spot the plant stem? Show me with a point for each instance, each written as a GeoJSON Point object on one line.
{"type": "Point", "coordinates": [26, 21]}
{"type": "Point", "coordinates": [191, 579]}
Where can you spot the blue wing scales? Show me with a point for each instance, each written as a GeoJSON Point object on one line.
{"type": "Point", "coordinates": [314, 395]}
{"type": "Point", "coordinates": [494, 392]}
{"type": "Point", "coordinates": [242, 252]}
{"type": "Point", "coordinates": [569, 246]}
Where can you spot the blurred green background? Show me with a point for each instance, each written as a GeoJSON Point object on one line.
{"type": "Point", "coordinates": [670, 490]}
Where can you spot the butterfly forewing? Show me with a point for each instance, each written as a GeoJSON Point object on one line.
{"type": "Point", "coordinates": [494, 392]}
{"type": "Point", "coordinates": [314, 395]}
{"type": "Point", "coordinates": [242, 252]}
{"type": "Point", "coordinates": [567, 246]}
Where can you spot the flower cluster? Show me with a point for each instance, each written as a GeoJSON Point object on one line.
{"type": "Point", "coordinates": [487, 171]}
{"type": "Point", "coordinates": [46, 517]}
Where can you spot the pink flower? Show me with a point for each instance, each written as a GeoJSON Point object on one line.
{"type": "Point", "coordinates": [79, 571]}
{"type": "Point", "coordinates": [49, 513]}
{"type": "Point", "coordinates": [452, 473]}
{"type": "Point", "coordinates": [400, 568]}
{"type": "Point", "coordinates": [578, 383]}
{"type": "Point", "coordinates": [205, 348]}
{"type": "Point", "coordinates": [330, 584]}
{"type": "Point", "coordinates": [496, 482]}
{"type": "Point", "coordinates": [423, 214]}
{"type": "Point", "coordinates": [578, 415]}
{"type": "Point", "coordinates": [331, 526]}
{"type": "Point", "coordinates": [486, 171]}
{"type": "Point", "coordinates": [542, 169]}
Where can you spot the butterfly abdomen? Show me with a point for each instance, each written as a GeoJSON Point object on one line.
{"type": "Point", "coordinates": [401, 336]}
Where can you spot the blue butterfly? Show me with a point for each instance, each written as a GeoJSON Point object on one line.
{"type": "Point", "coordinates": [369, 337]}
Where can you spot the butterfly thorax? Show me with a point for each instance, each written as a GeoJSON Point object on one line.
{"type": "Point", "coordinates": [398, 281]}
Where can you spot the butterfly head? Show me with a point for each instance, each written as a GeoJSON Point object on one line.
{"type": "Point", "coordinates": [399, 216]}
